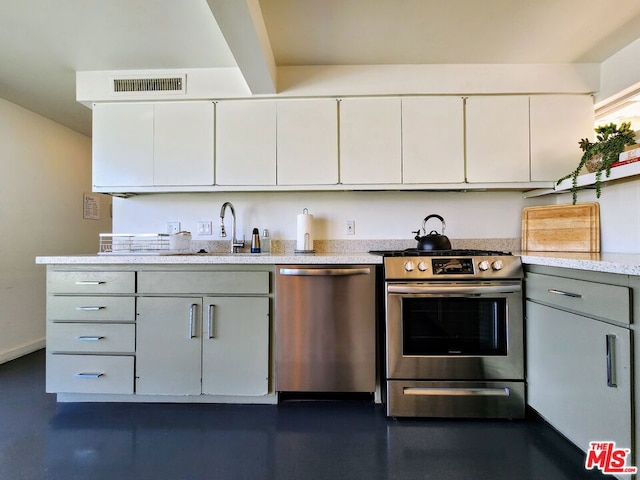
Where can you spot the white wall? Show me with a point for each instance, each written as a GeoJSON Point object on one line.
{"type": "Point", "coordinates": [619, 215]}
{"type": "Point", "coordinates": [45, 170]}
{"type": "Point", "coordinates": [340, 80]}
{"type": "Point", "coordinates": [620, 72]}
{"type": "Point", "coordinates": [378, 215]}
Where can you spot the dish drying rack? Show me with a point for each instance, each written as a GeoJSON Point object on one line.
{"type": "Point", "coordinates": [137, 243]}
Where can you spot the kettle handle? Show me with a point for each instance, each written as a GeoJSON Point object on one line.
{"type": "Point", "coordinates": [433, 215]}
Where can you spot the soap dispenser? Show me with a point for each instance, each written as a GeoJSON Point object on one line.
{"type": "Point", "coordinates": [255, 241]}
{"type": "Point", "coordinates": [265, 241]}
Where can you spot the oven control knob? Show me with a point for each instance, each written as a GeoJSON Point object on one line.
{"type": "Point", "coordinates": [409, 266]}
{"type": "Point", "coordinates": [422, 267]}
{"type": "Point", "coordinates": [483, 266]}
{"type": "Point", "coordinates": [497, 265]}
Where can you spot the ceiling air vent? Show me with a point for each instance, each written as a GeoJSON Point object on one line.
{"type": "Point", "coordinates": [153, 85]}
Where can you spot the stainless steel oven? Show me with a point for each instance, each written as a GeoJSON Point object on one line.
{"type": "Point", "coordinates": [454, 335]}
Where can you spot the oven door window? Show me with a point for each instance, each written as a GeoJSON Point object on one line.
{"type": "Point", "coordinates": [454, 326]}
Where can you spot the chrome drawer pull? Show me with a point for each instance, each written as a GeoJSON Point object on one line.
{"type": "Point", "coordinates": [90, 309]}
{"type": "Point", "coordinates": [564, 294]}
{"type": "Point", "coordinates": [89, 375]}
{"type": "Point", "coordinates": [488, 392]}
{"type": "Point", "coordinates": [90, 282]}
{"type": "Point", "coordinates": [611, 361]}
{"type": "Point", "coordinates": [89, 339]}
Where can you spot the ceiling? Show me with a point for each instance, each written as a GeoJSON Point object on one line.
{"type": "Point", "coordinates": [43, 43]}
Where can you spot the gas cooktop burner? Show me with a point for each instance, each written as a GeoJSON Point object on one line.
{"type": "Point", "coordinates": [414, 252]}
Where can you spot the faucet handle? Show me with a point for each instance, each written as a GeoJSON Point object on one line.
{"type": "Point", "coordinates": [239, 243]}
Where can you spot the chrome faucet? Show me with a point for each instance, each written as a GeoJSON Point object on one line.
{"type": "Point", "coordinates": [235, 243]}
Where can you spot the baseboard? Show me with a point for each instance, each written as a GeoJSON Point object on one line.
{"type": "Point", "coordinates": [22, 350]}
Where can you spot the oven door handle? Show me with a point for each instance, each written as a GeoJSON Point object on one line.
{"type": "Point", "coordinates": [472, 289]}
{"type": "Point", "coordinates": [449, 392]}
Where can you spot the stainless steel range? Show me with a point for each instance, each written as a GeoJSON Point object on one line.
{"type": "Point", "coordinates": [454, 334]}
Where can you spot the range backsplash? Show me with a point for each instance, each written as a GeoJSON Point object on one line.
{"type": "Point", "coordinates": [348, 246]}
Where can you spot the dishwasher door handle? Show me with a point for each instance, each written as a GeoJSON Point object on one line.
{"type": "Point", "coordinates": [324, 272]}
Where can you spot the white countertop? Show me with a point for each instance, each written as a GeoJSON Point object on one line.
{"type": "Point", "coordinates": [620, 263]}
{"type": "Point", "coordinates": [346, 258]}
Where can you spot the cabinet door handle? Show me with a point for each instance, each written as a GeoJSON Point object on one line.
{"type": "Point", "coordinates": [611, 361]}
{"type": "Point", "coordinates": [90, 282]}
{"type": "Point", "coordinates": [565, 294]}
{"type": "Point", "coordinates": [210, 317]}
{"type": "Point", "coordinates": [90, 308]}
{"type": "Point", "coordinates": [89, 375]}
{"type": "Point", "coordinates": [192, 320]}
{"type": "Point", "coordinates": [86, 338]}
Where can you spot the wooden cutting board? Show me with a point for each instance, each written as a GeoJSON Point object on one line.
{"type": "Point", "coordinates": [561, 228]}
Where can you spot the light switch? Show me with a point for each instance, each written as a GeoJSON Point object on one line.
{"type": "Point", "coordinates": [204, 228]}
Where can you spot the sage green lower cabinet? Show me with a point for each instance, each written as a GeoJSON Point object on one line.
{"type": "Point", "coordinates": [209, 345]}
{"type": "Point", "coordinates": [579, 375]}
{"type": "Point", "coordinates": [90, 331]}
{"type": "Point", "coordinates": [161, 333]}
{"type": "Point", "coordinates": [567, 376]}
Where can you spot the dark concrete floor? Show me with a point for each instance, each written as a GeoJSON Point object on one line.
{"type": "Point", "coordinates": [305, 440]}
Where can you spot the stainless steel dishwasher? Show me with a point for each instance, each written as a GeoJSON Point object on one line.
{"type": "Point", "coordinates": [325, 328]}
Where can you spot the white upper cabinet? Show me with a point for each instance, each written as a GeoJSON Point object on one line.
{"type": "Point", "coordinates": [498, 139]}
{"type": "Point", "coordinates": [307, 142]}
{"type": "Point", "coordinates": [558, 122]}
{"type": "Point", "coordinates": [147, 144]}
{"type": "Point", "coordinates": [432, 140]}
{"type": "Point", "coordinates": [370, 141]}
{"type": "Point", "coordinates": [122, 144]}
{"type": "Point", "coordinates": [246, 142]}
{"type": "Point", "coordinates": [183, 141]}
{"type": "Point", "coordinates": [413, 142]}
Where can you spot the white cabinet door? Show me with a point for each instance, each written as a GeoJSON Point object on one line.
{"type": "Point", "coordinates": [146, 144]}
{"type": "Point", "coordinates": [370, 141]}
{"type": "Point", "coordinates": [432, 140]}
{"type": "Point", "coordinates": [558, 122]}
{"type": "Point", "coordinates": [122, 144]}
{"type": "Point", "coordinates": [183, 143]}
{"type": "Point", "coordinates": [168, 346]}
{"type": "Point", "coordinates": [497, 139]}
{"type": "Point", "coordinates": [567, 376]}
{"type": "Point", "coordinates": [246, 142]}
{"type": "Point", "coordinates": [235, 354]}
{"type": "Point", "coordinates": [307, 142]}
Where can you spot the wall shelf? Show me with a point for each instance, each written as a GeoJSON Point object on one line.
{"type": "Point", "coordinates": [627, 171]}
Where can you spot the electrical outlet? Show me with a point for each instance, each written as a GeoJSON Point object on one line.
{"type": "Point", "coordinates": [350, 227]}
{"type": "Point", "coordinates": [204, 228]}
{"type": "Point", "coordinates": [173, 227]}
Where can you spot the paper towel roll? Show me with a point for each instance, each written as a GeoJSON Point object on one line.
{"type": "Point", "coordinates": [304, 238]}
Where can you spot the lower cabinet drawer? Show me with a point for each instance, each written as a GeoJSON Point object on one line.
{"type": "Point", "coordinates": [89, 374]}
{"type": "Point", "coordinates": [91, 282]}
{"type": "Point", "coordinates": [91, 337]}
{"type": "Point", "coordinates": [232, 282]}
{"type": "Point", "coordinates": [592, 299]}
{"type": "Point", "coordinates": [91, 308]}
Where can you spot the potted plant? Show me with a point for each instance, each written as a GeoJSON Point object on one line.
{"type": "Point", "coordinates": [599, 155]}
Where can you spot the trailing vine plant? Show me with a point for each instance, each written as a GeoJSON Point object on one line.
{"type": "Point", "coordinates": [610, 142]}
